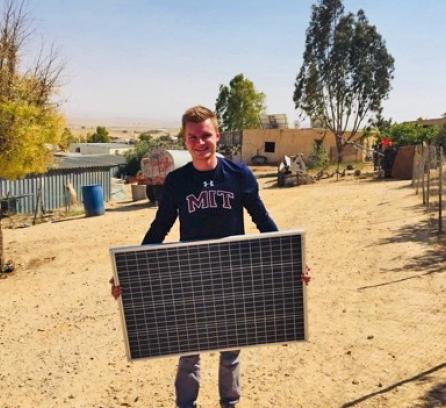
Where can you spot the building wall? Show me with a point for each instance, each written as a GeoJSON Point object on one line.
{"type": "Point", "coordinates": [291, 142]}
{"type": "Point", "coordinates": [53, 187]}
{"type": "Point", "coordinates": [98, 148]}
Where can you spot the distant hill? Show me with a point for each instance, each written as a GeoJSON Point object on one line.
{"type": "Point", "coordinates": [120, 130]}
{"type": "Point", "coordinates": [121, 122]}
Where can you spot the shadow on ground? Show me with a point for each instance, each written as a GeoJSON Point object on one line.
{"type": "Point", "coordinates": [435, 397]}
{"type": "Point", "coordinates": [433, 259]}
{"type": "Point", "coordinates": [423, 232]}
{"type": "Point", "coordinates": [124, 206]}
{"type": "Point", "coordinates": [388, 180]}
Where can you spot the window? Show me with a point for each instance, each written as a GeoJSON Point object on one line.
{"type": "Point", "coordinates": [270, 147]}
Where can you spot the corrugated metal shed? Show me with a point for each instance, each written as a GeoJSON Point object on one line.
{"type": "Point", "coordinates": [77, 170]}
{"type": "Point", "coordinates": [76, 160]}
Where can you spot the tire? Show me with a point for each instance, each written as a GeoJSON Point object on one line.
{"type": "Point", "coordinates": [150, 193]}
{"type": "Point", "coordinates": [258, 159]}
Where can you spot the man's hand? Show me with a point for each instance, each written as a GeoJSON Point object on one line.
{"type": "Point", "coordinates": [306, 276]}
{"type": "Point", "coordinates": [115, 290]}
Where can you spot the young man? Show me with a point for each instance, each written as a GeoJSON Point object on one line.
{"type": "Point", "coordinates": [208, 195]}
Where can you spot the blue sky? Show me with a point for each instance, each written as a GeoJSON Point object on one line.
{"type": "Point", "coordinates": [147, 61]}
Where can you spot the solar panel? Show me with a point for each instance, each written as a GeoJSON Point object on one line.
{"type": "Point", "coordinates": [183, 298]}
{"type": "Point", "coordinates": [276, 121]}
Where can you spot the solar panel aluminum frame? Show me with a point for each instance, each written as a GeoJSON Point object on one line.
{"type": "Point", "coordinates": [136, 248]}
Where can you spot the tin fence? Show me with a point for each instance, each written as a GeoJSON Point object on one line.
{"type": "Point", "coordinates": [53, 185]}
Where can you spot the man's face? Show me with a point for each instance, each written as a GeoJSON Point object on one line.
{"type": "Point", "coordinates": [201, 140]}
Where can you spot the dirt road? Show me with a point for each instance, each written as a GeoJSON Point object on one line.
{"type": "Point", "coordinates": [377, 304]}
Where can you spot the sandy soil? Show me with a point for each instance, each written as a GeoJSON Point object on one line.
{"type": "Point", "coordinates": [376, 301]}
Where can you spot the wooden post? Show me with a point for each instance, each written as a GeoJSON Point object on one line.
{"type": "Point", "coordinates": [414, 168]}
{"type": "Point", "coordinates": [440, 190]}
{"type": "Point", "coordinates": [417, 168]}
{"type": "Point", "coordinates": [423, 169]}
{"type": "Point", "coordinates": [66, 197]}
{"type": "Point", "coordinates": [2, 249]}
{"type": "Point", "coordinates": [428, 181]}
{"type": "Point", "coordinates": [38, 201]}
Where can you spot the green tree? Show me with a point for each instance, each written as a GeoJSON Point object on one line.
{"type": "Point", "coordinates": [440, 138]}
{"type": "Point", "coordinates": [133, 157]}
{"type": "Point", "coordinates": [380, 124]}
{"type": "Point", "coordinates": [100, 136]}
{"type": "Point", "coordinates": [428, 134]}
{"type": "Point", "coordinates": [238, 105]}
{"type": "Point", "coordinates": [166, 141]}
{"type": "Point", "coordinates": [25, 130]}
{"type": "Point", "coordinates": [346, 71]}
{"type": "Point", "coordinates": [318, 157]}
{"type": "Point", "coordinates": [144, 145]}
{"type": "Point", "coordinates": [145, 136]}
{"type": "Point", "coordinates": [29, 120]}
{"type": "Point", "coordinates": [404, 134]}
{"type": "Point", "coordinates": [67, 138]}
{"type": "Point", "coordinates": [411, 133]}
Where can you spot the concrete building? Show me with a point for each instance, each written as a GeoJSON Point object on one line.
{"type": "Point", "coordinates": [273, 144]}
{"type": "Point", "coordinates": [100, 148]}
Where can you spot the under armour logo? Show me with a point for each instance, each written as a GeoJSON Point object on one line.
{"type": "Point", "coordinates": [208, 184]}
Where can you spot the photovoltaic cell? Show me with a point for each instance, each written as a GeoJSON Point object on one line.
{"type": "Point", "coordinates": [184, 298]}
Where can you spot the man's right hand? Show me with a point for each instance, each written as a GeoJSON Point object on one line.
{"type": "Point", "coordinates": [115, 290]}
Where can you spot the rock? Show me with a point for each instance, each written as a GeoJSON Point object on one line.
{"type": "Point", "coordinates": [23, 225]}
{"type": "Point", "coordinates": [8, 267]}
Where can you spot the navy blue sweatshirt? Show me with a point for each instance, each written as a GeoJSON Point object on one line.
{"type": "Point", "coordinates": [209, 203]}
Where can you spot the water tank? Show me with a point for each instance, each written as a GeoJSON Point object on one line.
{"type": "Point", "coordinates": [158, 163]}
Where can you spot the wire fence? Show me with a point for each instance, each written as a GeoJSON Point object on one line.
{"type": "Point", "coordinates": [428, 179]}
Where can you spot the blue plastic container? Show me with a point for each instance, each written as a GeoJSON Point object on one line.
{"type": "Point", "coordinates": [93, 200]}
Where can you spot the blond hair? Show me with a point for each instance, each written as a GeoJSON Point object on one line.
{"type": "Point", "coordinates": [198, 114]}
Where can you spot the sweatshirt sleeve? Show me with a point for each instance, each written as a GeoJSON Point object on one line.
{"type": "Point", "coordinates": [253, 203]}
{"type": "Point", "coordinates": [165, 216]}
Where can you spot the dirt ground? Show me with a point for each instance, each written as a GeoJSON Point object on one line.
{"type": "Point", "coordinates": [376, 309]}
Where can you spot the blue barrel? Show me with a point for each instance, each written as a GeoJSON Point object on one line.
{"type": "Point", "coordinates": [93, 200]}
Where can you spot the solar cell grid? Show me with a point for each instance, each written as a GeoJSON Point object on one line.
{"type": "Point", "coordinates": [220, 294]}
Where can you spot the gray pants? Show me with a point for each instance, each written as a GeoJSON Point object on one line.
{"type": "Point", "coordinates": [187, 381]}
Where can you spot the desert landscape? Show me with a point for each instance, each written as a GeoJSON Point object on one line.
{"type": "Point", "coordinates": [121, 131]}
{"type": "Point", "coordinates": [376, 309]}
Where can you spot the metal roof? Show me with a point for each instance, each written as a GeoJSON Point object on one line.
{"type": "Point", "coordinates": [113, 145]}
{"type": "Point", "coordinates": [275, 121]}
{"type": "Point", "coordinates": [74, 161]}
